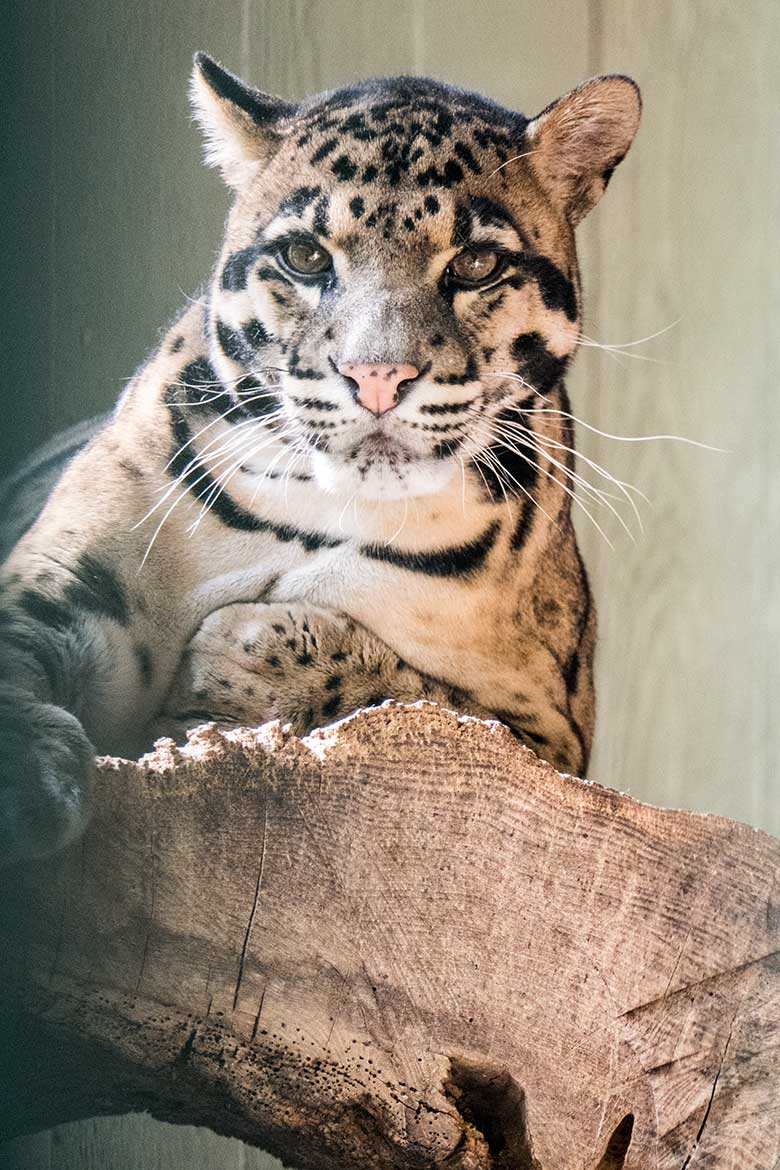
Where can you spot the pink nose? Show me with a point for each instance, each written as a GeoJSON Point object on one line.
{"type": "Point", "coordinates": [378, 382]}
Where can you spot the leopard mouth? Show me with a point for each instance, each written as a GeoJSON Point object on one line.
{"type": "Point", "coordinates": [379, 467]}
{"type": "Point", "coordinates": [379, 443]}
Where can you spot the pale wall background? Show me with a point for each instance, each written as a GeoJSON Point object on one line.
{"type": "Point", "coordinates": [112, 220]}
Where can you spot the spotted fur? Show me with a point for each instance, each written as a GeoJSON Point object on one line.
{"type": "Point", "coordinates": [242, 539]}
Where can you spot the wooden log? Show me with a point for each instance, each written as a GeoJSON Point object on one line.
{"type": "Point", "coordinates": [402, 941]}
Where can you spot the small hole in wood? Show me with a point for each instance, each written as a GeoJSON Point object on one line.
{"type": "Point", "coordinates": [617, 1148]}
{"type": "Point", "coordinates": [492, 1101]}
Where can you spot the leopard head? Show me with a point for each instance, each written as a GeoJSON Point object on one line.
{"type": "Point", "coordinates": [399, 276]}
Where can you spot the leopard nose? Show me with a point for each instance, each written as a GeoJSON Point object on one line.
{"type": "Point", "coordinates": [378, 382]}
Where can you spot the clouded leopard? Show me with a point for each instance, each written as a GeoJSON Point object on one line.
{"type": "Point", "coordinates": [345, 474]}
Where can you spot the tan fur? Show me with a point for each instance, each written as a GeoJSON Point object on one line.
{"type": "Point", "coordinates": [342, 560]}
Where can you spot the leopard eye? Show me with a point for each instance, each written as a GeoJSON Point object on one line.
{"type": "Point", "coordinates": [306, 258]}
{"type": "Point", "coordinates": [475, 267]}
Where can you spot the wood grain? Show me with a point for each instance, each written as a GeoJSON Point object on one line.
{"type": "Point", "coordinates": [400, 941]}
{"type": "Point", "coordinates": [111, 218]}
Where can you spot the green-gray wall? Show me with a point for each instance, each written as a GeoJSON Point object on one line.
{"type": "Point", "coordinates": [112, 222]}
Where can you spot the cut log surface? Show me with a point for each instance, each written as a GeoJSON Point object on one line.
{"type": "Point", "coordinates": [402, 941]}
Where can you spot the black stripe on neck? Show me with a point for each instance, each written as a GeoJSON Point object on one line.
{"type": "Point", "coordinates": [460, 561]}
{"type": "Point", "coordinates": [201, 483]}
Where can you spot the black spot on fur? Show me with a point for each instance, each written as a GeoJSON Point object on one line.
{"type": "Point", "coordinates": [324, 150]}
{"type": "Point", "coordinates": [557, 290]}
{"type": "Point", "coordinates": [540, 368]}
{"type": "Point", "coordinates": [461, 226]}
{"type": "Point", "coordinates": [451, 173]}
{"type": "Point", "coordinates": [523, 524]}
{"type": "Point", "coordinates": [432, 205]}
{"type": "Point", "coordinates": [231, 342]}
{"type": "Point", "coordinates": [517, 724]}
{"type": "Point", "coordinates": [199, 381]}
{"type": "Point", "coordinates": [570, 671]}
{"type": "Point", "coordinates": [256, 333]}
{"type": "Point", "coordinates": [493, 305]}
{"type": "Point", "coordinates": [96, 588]}
{"type": "Point", "coordinates": [608, 173]}
{"type": "Point", "coordinates": [460, 561]}
{"type": "Point", "coordinates": [143, 657]}
{"type": "Point", "coordinates": [491, 214]}
{"type": "Point", "coordinates": [369, 174]}
{"type": "Point", "coordinates": [177, 343]}
{"type": "Point", "coordinates": [332, 706]}
{"type": "Point", "coordinates": [307, 373]}
{"type": "Point", "coordinates": [48, 655]}
{"type": "Point", "coordinates": [344, 169]}
{"type": "Point", "coordinates": [320, 220]}
{"type": "Point", "coordinates": [446, 448]}
{"type": "Point", "coordinates": [299, 200]}
{"type": "Point", "coordinates": [256, 400]}
{"type": "Point", "coordinates": [465, 155]}
{"type": "Point", "coordinates": [235, 273]}
{"type": "Point", "coordinates": [314, 403]}
{"type": "Point", "coordinates": [445, 407]}
{"type": "Point", "coordinates": [46, 610]}
{"type": "Point", "coordinates": [267, 273]}
{"type": "Point", "coordinates": [357, 206]}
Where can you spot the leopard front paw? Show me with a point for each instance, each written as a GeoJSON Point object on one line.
{"type": "Point", "coordinates": [47, 771]}
{"type": "Point", "coordinates": [252, 662]}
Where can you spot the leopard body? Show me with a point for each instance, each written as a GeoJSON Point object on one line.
{"type": "Point", "coordinates": [241, 539]}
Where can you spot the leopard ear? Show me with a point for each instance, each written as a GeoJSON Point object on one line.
{"type": "Point", "coordinates": [239, 122]}
{"type": "Point", "coordinates": [576, 143]}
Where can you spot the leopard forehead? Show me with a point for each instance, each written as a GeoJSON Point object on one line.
{"type": "Point", "coordinates": [405, 130]}
{"type": "Point", "coordinates": [396, 151]}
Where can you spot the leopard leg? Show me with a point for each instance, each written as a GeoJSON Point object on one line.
{"type": "Point", "coordinates": [250, 663]}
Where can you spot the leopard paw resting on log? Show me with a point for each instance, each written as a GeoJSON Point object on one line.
{"type": "Point", "coordinates": [346, 473]}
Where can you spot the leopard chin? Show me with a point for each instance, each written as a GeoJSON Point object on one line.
{"type": "Point", "coordinates": [380, 477]}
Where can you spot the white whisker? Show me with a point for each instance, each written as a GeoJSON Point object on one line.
{"type": "Point", "coordinates": [343, 511]}
{"type": "Point", "coordinates": [492, 464]}
{"type": "Point", "coordinates": [639, 340]}
{"type": "Point", "coordinates": [188, 490]}
{"type": "Point", "coordinates": [593, 492]}
{"type": "Point", "coordinates": [517, 378]}
{"type": "Point", "coordinates": [462, 485]}
{"type": "Point", "coordinates": [235, 437]}
{"type": "Point", "coordinates": [515, 158]}
{"type": "Point", "coordinates": [299, 452]}
{"type": "Point", "coordinates": [401, 526]}
{"type": "Point", "coordinates": [223, 479]}
{"type": "Point", "coordinates": [531, 498]}
{"type": "Point", "coordinates": [629, 438]}
{"type": "Point", "coordinates": [219, 418]}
